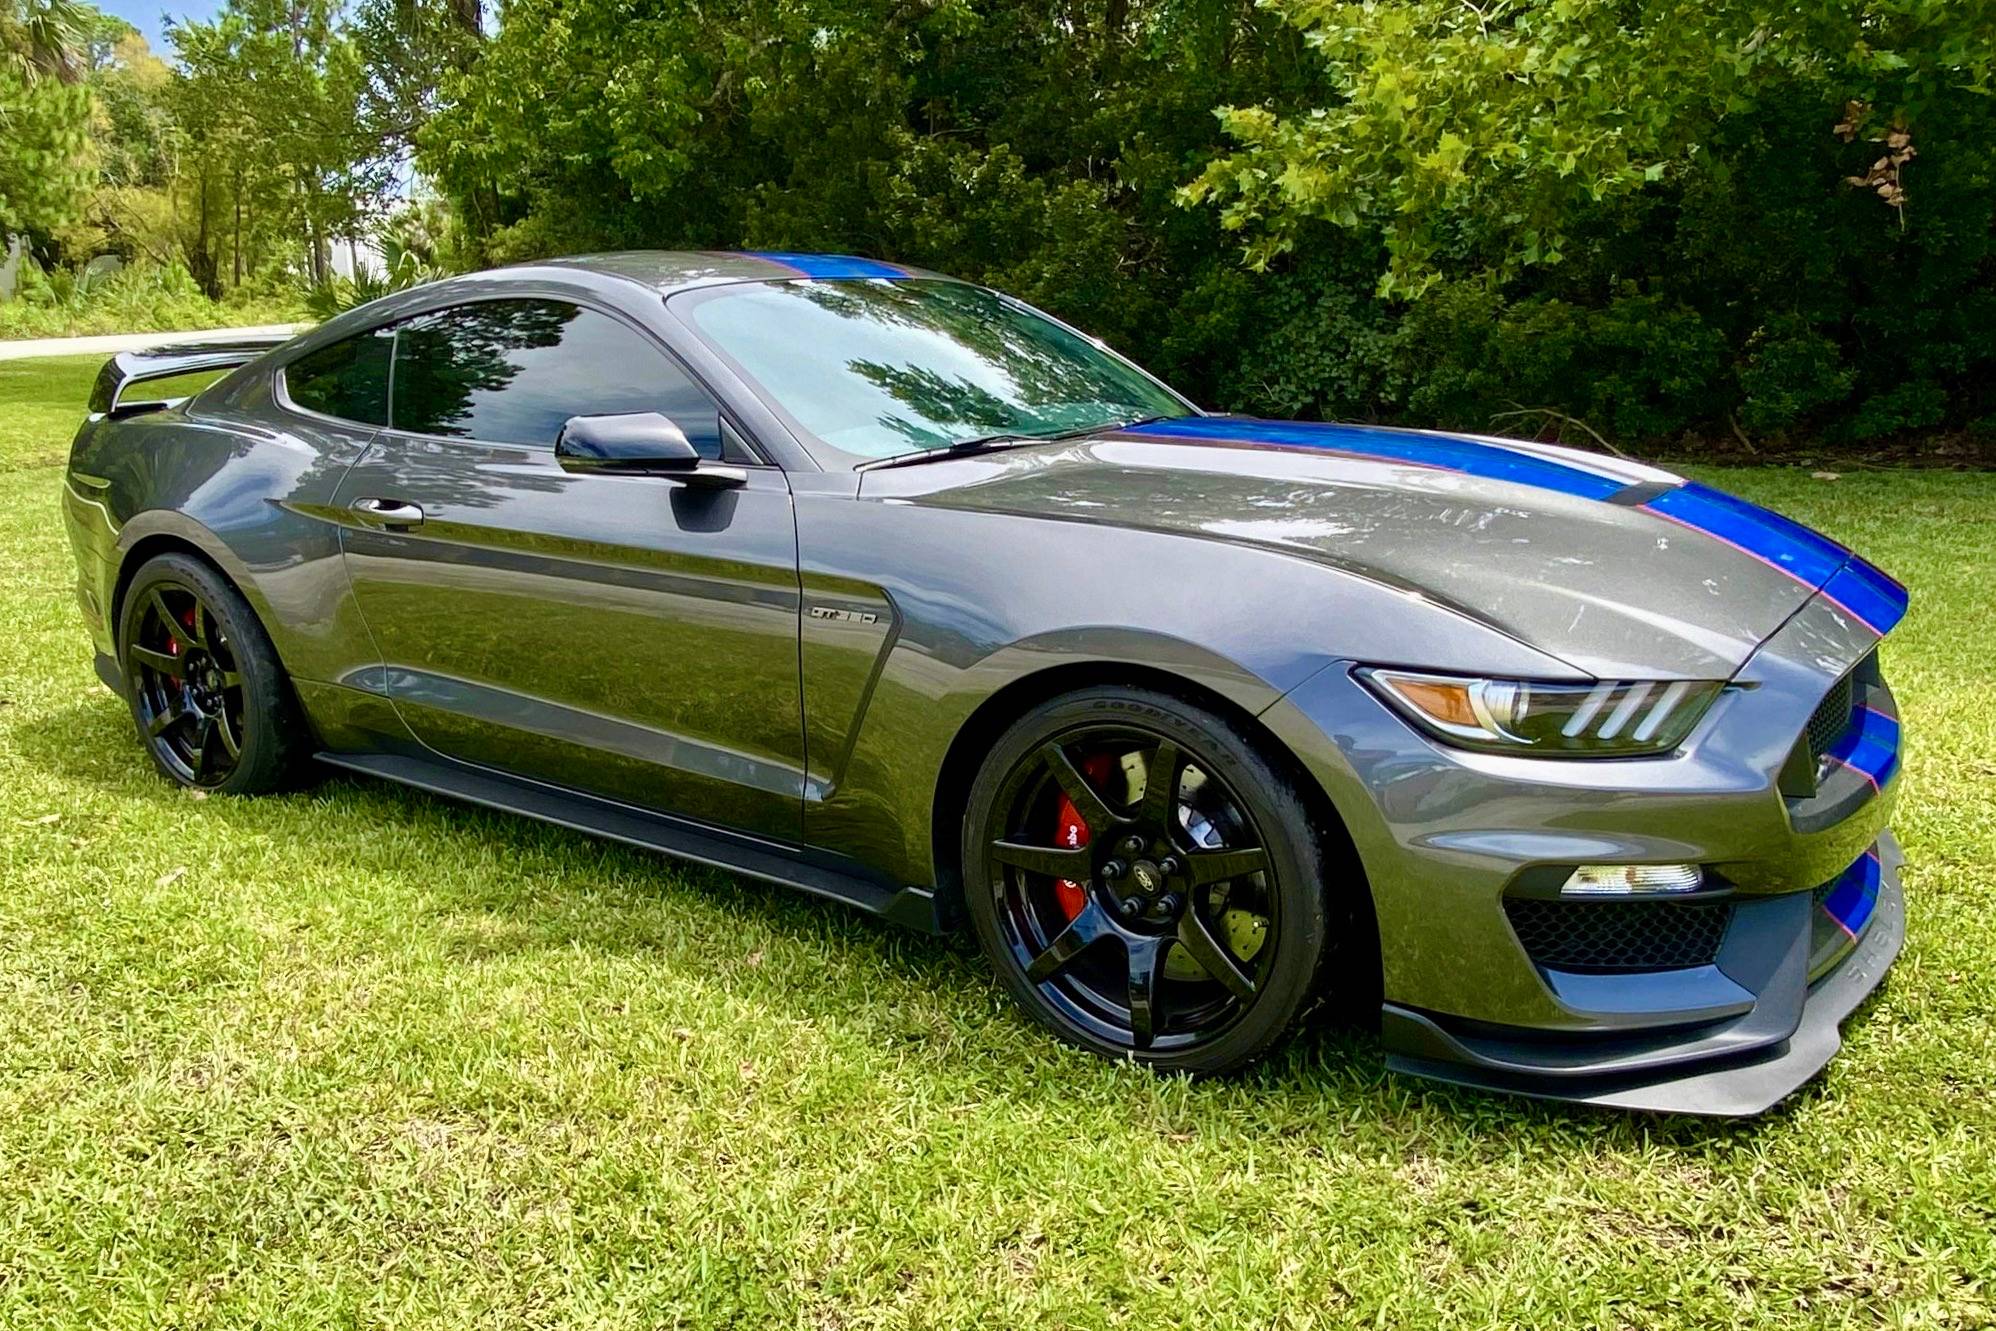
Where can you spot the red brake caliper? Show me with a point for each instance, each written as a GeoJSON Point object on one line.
{"type": "Point", "coordinates": [1072, 831]}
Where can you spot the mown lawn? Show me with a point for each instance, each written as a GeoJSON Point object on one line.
{"type": "Point", "coordinates": [361, 1057]}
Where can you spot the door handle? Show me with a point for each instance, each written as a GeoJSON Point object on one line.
{"type": "Point", "coordinates": [393, 514]}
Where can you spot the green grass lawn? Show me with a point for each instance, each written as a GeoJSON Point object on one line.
{"type": "Point", "coordinates": [357, 1056]}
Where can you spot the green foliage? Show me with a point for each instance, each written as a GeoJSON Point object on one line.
{"type": "Point", "coordinates": [1033, 145]}
{"type": "Point", "coordinates": [44, 116]}
{"type": "Point", "coordinates": [1628, 222]}
{"type": "Point", "coordinates": [45, 39]}
{"type": "Point", "coordinates": [239, 169]}
{"type": "Point", "coordinates": [1645, 215]}
{"type": "Point", "coordinates": [140, 298]}
{"type": "Point", "coordinates": [44, 162]}
{"type": "Point", "coordinates": [1638, 367]}
{"type": "Point", "coordinates": [402, 267]}
{"type": "Point", "coordinates": [136, 137]}
{"type": "Point", "coordinates": [1478, 134]}
{"type": "Point", "coordinates": [1634, 222]}
{"type": "Point", "coordinates": [1789, 371]}
{"type": "Point", "coordinates": [270, 102]}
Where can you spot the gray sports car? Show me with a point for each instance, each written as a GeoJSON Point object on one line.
{"type": "Point", "coordinates": [1573, 775]}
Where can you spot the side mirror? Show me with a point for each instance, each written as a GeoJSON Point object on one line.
{"type": "Point", "coordinates": [640, 441]}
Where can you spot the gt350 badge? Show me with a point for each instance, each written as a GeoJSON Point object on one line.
{"type": "Point", "coordinates": [844, 616]}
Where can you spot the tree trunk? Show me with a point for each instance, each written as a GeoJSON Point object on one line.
{"type": "Point", "coordinates": [201, 262]}
{"type": "Point", "coordinates": [237, 244]}
{"type": "Point", "coordinates": [319, 261]}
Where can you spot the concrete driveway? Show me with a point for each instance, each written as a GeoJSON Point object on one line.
{"type": "Point", "coordinates": [117, 342]}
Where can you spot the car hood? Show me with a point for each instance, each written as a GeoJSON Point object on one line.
{"type": "Point", "coordinates": [1618, 569]}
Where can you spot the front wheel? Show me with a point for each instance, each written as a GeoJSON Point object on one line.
{"type": "Point", "coordinates": [1145, 882]}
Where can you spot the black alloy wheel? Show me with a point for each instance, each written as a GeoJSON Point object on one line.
{"type": "Point", "coordinates": [1146, 884]}
{"type": "Point", "coordinates": [211, 703]}
{"type": "Point", "coordinates": [187, 690]}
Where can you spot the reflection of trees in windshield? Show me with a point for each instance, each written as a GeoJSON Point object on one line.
{"type": "Point", "coordinates": [442, 361]}
{"type": "Point", "coordinates": [1044, 379]}
{"type": "Point", "coordinates": [935, 401]}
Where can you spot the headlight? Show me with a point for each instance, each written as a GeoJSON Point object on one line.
{"type": "Point", "coordinates": [1610, 718]}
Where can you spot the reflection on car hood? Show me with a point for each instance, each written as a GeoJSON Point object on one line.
{"type": "Point", "coordinates": [1618, 569]}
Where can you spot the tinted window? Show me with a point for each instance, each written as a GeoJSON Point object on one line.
{"type": "Point", "coordinates": [512, 371]}
{"type": "Point", "coordinates": [347, 379]}
{"type": "Point", "coordinates": [877, 368]}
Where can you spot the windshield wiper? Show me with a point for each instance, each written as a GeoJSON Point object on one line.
{"type": "Point", "coordinates": [1142, 420]}
{"type": "Point", "coordinates": [988, 443]}
{"type": "Point", "coordinates": [992, 443]}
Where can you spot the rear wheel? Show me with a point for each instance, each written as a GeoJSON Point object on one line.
{"type": "Point", "coordinates": [1146, 884]}
{"type": "Point", "coordinates": [211, 702]}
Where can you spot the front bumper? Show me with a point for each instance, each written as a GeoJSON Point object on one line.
{"type": "Point", "coordinates": [1737, 1066]}
{"type": "Point", "coordinates": [1464, 851]}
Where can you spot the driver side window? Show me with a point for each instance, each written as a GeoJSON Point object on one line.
{"type": "Point", "coordinates": [512, 371]}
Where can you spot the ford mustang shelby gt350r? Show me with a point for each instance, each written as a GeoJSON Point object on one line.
{"type": "Point", "coordinates": [1575, 774]}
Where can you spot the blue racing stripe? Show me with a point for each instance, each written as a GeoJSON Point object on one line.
{"type": "Point", "coordinates": [1855, 895]}
{"type": "Point", "coordinates": [1487, 461]}
{"type": "Point", "coordinates": [1789, 546]}
{"type": "Point", "coordinates": [1809, 557]}
{"type": "Point", "coordinates": [1869, 594]}
{"type": "Point", "coordinates": [1871, 747]}
{"type": "Point", "coordinates": [828, 266]}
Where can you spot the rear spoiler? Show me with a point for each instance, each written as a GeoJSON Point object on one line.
{"type": "Point", "coordinates": [129, 368]}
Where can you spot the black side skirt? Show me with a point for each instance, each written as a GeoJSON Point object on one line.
{"type": "Point", "coordinates": [753, 857]}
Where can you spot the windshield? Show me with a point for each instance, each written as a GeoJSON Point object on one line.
{"type": "Point", "coordinates": [880, 368]}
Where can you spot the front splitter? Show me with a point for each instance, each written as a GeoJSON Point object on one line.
{"type": "Point", "coordinates": [1723, 1087]}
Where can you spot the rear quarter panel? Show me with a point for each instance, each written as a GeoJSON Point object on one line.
{"type": "Point", "coordinates": [245, 484]}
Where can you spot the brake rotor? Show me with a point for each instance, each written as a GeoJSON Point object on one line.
{"type": "Point", "coordinates": [1242, 930]}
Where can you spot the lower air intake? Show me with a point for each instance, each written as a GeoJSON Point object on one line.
{"type": "Point", "coordinates": [1619, 935]}
{"type": "Point", "coordinates": [1831, 718]}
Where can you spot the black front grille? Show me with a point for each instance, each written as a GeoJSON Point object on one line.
{"type": "Point", "coordinates": [1831, 718]}
{"type": "Point", "coordinates": [1619, 935]}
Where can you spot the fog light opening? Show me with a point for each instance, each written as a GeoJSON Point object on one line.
{"type": "Point", "coordinates": [1633, 880]}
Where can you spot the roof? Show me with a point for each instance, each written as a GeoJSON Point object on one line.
{"type": "Point", "coordinates": [675, 270]}
{"type": "Point", "coordinates": [663, 271]}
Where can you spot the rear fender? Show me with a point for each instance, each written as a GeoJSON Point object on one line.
{"type": "Point", "coordinates": [251, 497]}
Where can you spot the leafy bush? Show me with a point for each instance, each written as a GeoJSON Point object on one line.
{"type": "Point", "coordinates": [402, 268]}
{"type": "Point", "coordinates": [1790, 370]}
{"type": "Point", "coordinates": [1633, 221]}
{"type": "Point", "coordinates": [140, 298]}
{"type": "Point", "coordinates": [1661, 220]}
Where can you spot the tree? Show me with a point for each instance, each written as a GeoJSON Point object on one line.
{"type": "Point", "coordinates": [45, 39]}
{"type": "Point", "coordinates": [1032, 143]}
{"type": "Point", "coordinates": [1471, 137]}
{"type": "Point", "coordinates": [44, 115]}
{"type": "Point", "coordinates": [269, 103]}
